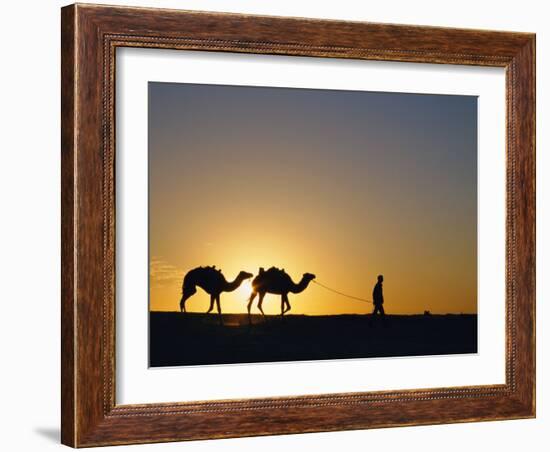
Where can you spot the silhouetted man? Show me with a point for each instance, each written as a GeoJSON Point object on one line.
{"type": "Point", "coordinates": [378, 297]}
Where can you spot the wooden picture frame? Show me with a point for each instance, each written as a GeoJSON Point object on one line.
{"type": "Point", "coordinates": [90, 36]}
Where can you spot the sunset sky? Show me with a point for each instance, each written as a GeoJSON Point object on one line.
{"type": "Point", "coordinates": [343, 184]}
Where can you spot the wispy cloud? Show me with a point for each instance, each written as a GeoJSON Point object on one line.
{"type": "Point", "coordinates": [164, 274]}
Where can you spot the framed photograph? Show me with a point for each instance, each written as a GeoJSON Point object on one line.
{"type": "Point", "coordinates": [282, 225]}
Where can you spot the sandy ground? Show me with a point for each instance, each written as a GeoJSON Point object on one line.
{"type": "Point", "coordinates": [193, 339]}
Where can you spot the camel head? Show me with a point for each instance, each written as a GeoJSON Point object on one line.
{"type": "Point", "coordinates": [244, 275]}
{"type": "Point", "coordinates": [308, 277]}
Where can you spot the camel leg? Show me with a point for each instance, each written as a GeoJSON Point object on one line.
{"type": "Point", "coordinates": [286, 303]}
{"type": "Point", "coordinates": [249, 305]}
{"type": "Point", "coordinates": [219, 309]}
{"type": "Point", "coordinates": [186, 293]}
{"type": "Point", "coordinates": [260, 301]}
{"type": "Point", "coordinates": [182, 304]}
{"type": "Point", "coordinates": [211, 304]}
{"type": "Point", "coordinates": [250, 300]}
{"type": "Point", "coordinates": [184, 298]}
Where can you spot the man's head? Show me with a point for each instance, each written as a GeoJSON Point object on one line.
{"type": "Point", "coordinates": [380, 278]}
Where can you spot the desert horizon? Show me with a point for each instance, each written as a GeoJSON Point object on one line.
{"type": "Point", "coordinates": [368, 311]}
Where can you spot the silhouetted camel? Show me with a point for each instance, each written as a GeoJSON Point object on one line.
{"type": "Point", "coordinates": [212, 281]}
{"type": "Point", "coordinates": [278, 282]}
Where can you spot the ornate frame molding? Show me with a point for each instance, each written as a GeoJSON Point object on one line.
{"type": "Point", "coordinates": [90, 37]}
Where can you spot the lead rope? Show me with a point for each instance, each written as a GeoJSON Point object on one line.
{"type": "Point", "coordinates": [341, 293]}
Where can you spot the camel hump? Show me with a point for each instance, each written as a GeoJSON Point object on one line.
{"type": "Point", "coordinates": [212, 269]}
{"type": "Point", "coordinates": [274, 271]}
{"type": "Point", "coordinates": [207, 271]}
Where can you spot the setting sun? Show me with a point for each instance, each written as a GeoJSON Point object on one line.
{"type": "Point", "coordinates": [245, 289]}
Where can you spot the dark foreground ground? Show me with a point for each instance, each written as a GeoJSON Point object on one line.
{"type": "Point", "coordinates": [177, 339]}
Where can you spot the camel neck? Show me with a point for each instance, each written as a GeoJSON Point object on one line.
{"type": "Point", "coordinates": [300, 287]}
{"type": "Point", "coordinates": [231, 286]}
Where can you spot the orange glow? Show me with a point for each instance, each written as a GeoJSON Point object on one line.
{"type": "Point", "coordinates": [344, 185]}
